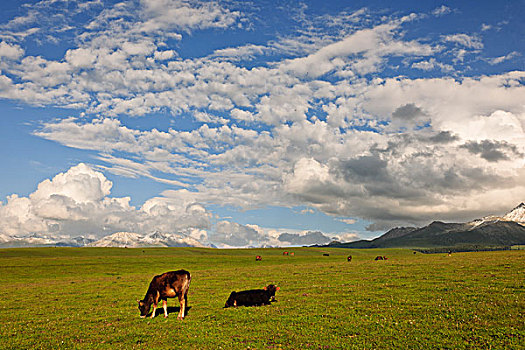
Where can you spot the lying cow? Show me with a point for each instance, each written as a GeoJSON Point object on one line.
{"type": "Point", "coordinates": [254, 297]}
{"type": "Point", "coordinates": [168, 285]}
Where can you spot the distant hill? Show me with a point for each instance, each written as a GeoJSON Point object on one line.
{"type": "Point", "coordinates": [489, 231]}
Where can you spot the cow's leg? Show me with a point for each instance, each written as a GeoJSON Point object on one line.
{"type": "Point", "coordinates": [182, 302]}
{"type": "Point", "coordinates": [154, 310]}
{"type": "Point", "coordinates": [165, 307]}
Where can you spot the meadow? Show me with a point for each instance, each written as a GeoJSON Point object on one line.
{"type": "Point", "coordinates": [85, 298]}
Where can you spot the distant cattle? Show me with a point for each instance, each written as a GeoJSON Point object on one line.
{"type": "Point", "coordinates": [285, 253]}
{"type": "Point", "coordinates": [349, 258]}
{"type": "Point", "coordinates": [258, 258]}
{"type": "Point", "coordinates": [292, 253]}
{"type": "Point", "coordinates": [254, 297]}
{"type": "Point", "coordinates": [168, 285]}
{"type": "Point", "coordinates": [379, 257]}
{"type": "Point", "coordinates": [326, 254]}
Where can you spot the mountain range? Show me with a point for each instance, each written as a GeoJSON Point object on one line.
{"type": "Point", "coordinates": [489, 231]}
{"type": "Point", "coordinates": [118, 239]}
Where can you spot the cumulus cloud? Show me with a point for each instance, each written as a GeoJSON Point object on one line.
{"type": "Point", "coordinates": [10, 51]}
{"type": "Point", "coordinates": [78, 202]}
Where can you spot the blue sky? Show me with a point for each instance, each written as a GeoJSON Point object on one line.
{"type": "Point", "coordinates": [234, 122]}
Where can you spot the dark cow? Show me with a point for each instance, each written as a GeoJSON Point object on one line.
{"type": "Point", "coordinates": [349, 258]}
{"type": "Point", "coordinates": [379, 257]}
{"type": "Point", "coordinates": [326, 254]}
{"type": "Point", "coordinates": [168, 285]}
{"type": "Point", "coordinates": [258, 258]}
{"type": "Point", "coordinates": [285, 253]}
{"type": "Point", "coordinates": [254, 297]}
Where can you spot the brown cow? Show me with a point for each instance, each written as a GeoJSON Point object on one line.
{"type": "Point", "coordinates": [258, 258]}
{"type": "Point", "coordinates": [168, 285]}
{"type": "Point", "coordinates": [349, 258]}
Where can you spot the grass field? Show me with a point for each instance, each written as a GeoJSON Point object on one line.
{"type": "Point", "coordinates": [86, 298]}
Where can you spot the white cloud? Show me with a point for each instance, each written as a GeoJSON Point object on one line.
{"type": "Point", "coordinates": [468, 41]}
{"type": "Point", "coordinates": [442, 10]}
{"type": "Point", "coordinates": [348, 221]}
{"type": "Point", "coordinates": [500, 59]}
{"type": "Point", "coordinates": [164, 55]}
{"type": "Point", "coordinates": [186, 15]}
{"type": "Point", "coordinates": [432, 64]}
{"type": "Point", "coordinates": [373, 44]}
{"type": "Point", "coordinates": [10, 51]}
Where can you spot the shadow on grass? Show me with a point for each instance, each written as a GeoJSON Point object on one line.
{"type": "Point", "coordinates": [172, 311]}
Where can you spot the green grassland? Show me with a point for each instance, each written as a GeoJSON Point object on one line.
{"type": "Point", "coordinates": [85, 298]}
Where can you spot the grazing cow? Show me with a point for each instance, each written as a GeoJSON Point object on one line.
{"type": "Point", "coordinates": [349, 258]}
{"type": "Point", "coordinates": [292, 253]}
{"type": "Point", "coordinates": [168, 285]}
{"type": "Point", "coordinates": [254, 297]}
{"type": "Point", "coordinates": [258, 258]}
{"type": "Point", "coordinates": [326, 254]}
{"type": "Point", "coordinates": [379, 257]}
{"type": "Point", "coordinates": [285, 253]}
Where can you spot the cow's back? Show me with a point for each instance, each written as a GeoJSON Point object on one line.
{"type": "Point", "coordinates": [172, 283]}
{"type": "Point", "coordinates": [252, 297]}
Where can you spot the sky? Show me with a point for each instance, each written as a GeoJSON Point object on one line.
{"type": "Point", "coordinates": [258, 123]}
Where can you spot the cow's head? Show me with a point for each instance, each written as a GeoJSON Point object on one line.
{"type": "Point", "coordinates": [143, 308]}
{"type": "Point", "coordinates": [272, 289]}
{"type": "Point", "coordinates": [231, 300]}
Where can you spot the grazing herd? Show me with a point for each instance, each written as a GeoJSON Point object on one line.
{"type": "Point", "coordinates": [177, 283]}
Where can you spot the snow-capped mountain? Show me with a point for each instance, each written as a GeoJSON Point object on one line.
{"type": "Point", "coordinates": [517, 214]}
{"type": "Point", "coordinates": [119, 239]}
{"type": "Point", "coordinates": [155, 239]}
